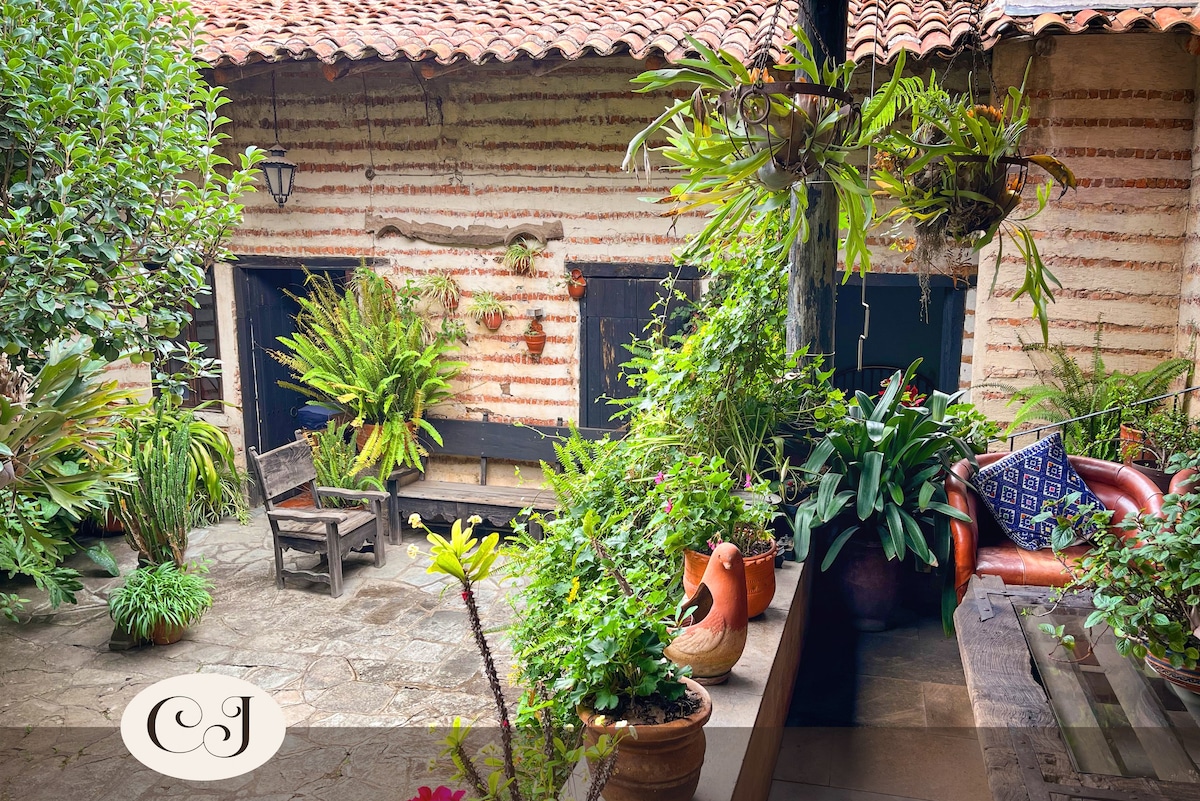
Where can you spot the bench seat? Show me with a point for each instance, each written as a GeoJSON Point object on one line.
{"type": "Point", "coordinates": [447, 501]}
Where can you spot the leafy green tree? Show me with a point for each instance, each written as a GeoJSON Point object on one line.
{"type": "Point", "coordinates": [113, 196]}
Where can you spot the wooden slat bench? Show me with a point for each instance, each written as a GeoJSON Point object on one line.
{"type": "Point", "coordinates": [446, 501]}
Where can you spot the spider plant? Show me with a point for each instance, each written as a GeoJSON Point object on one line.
{"type": "Point", "coordinates": [440, 287]}
{"type": "Point", "coordinates": [519, 256]}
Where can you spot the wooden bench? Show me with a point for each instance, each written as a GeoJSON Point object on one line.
{"type": "Point", "coordinates": [446, 501]}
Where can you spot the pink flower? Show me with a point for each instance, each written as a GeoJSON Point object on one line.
{"type": "Point", "coordinates": [747, 484]}
{"type": "Point", "coordinates": [660, 478]}
{"type": "Point", "coordinates": [668, 507]}
{"type": "Point", "coordinates": [442, 793]}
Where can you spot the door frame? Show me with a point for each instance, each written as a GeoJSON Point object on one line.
{"type": "Point", "coordinates": [592, 269]}
{"type": "Point", "coordinates": [954, 315]}
{"type": "Point", "coordinates": [251, 433]}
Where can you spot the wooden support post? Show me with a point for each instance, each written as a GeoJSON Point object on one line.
{"type": "Point", "coordinates": [813, 268]}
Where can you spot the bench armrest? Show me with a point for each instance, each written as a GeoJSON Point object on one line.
{"type": "Point", "coordinates": [351, 495]}
{"type": "Point", "coordinates": [304, 515]}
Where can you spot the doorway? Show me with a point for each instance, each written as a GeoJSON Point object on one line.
{"type": "Point", "coordinates": [618, 306]}
{"type": "Point", "coordinates": [901, 330]}
{"type": "Point", "coordinates": [265, 313]}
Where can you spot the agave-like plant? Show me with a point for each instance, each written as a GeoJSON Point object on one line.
{"type": "Point", "coordinates": [366, 352]}
{"type": "Point", "coordinates": [745, 148]}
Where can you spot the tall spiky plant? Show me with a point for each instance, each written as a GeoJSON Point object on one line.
{"type": "Point", "coordinates": [155, 510]}
{"type": "Point", "coordinates": [1068, 391]}
{"type": "Point", "coordinates": [364, 350]}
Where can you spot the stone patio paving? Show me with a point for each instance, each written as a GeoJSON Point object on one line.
{"type": "Point", "coordinates": [361, 678]}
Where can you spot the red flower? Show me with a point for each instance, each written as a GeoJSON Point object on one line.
{"type": "Point", "coordinates": [442, 793]}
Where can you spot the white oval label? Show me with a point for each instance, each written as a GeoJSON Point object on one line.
{"type": "Point", "coordinates": [203, 727]}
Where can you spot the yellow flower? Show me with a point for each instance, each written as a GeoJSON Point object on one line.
{"type": "Point", "coordinates": [599, 720]}
{"type": "Point", "coordinates": [574, 593]}
{"type": "Point", "coordinates": [474, 520]}
{"type": "Point", "coordinates": [413, 552]}
{"type": "Point", "coordinates": [620, 724]}
{"type": "Point", "coordinates": [414, 520]}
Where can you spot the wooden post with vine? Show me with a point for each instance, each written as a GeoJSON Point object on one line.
{"type": "Point", "coordinates": [813, 263]}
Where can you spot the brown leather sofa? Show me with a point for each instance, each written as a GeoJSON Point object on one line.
{"type": "Point", "coordinates": [980, 547]}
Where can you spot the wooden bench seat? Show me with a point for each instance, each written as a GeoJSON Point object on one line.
{"type": "Point", "coordinates": [446, 501]}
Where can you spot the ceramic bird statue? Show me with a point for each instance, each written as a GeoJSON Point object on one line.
{"type": "Point", "coordinates": [713, 640]}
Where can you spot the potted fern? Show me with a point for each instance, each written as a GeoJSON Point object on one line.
{"type": "Point", "coordinates": [367, 352]}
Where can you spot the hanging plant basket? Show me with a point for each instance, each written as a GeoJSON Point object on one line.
{"type": "Point", "coordinates": [796, 121]}
{"type": "Point", "coordinates": [983, 192]}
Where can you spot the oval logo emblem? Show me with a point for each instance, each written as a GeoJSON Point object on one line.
{"type": "Point", "coordinates": [203, 727]}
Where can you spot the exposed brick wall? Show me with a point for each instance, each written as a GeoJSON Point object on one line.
{"type": "Point", "coordinates": [1117, 242]}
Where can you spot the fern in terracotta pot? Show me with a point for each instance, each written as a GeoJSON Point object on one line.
{"type": "Point", "coordinates": [157, 602]}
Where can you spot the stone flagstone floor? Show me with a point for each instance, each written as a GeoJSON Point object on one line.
{"type": "Point", "coordinates": [360, 678]}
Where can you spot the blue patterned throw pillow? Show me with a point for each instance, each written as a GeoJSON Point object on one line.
{"type": "Point", "coordinates": [1016, 487]}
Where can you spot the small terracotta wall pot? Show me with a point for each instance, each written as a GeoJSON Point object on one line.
{"type": "Point", "coordinates": [760, 578]}
{"type": "Point", "coordinates": [536, 343]}
{"type": "Point", "coordinates": [663, 762]}
{"type": "Point", "coordinates": [450, 304]}
{"type": "Point", "coordinates": [493, 320]}
{"type": "Point", "coordinates": [577, 286]}
{"type": "Point", "coordinates": [165, 634]}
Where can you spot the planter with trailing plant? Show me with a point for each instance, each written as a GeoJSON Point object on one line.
{"type": "Point", "coordinates": [576, 283]}
{"type": "Point", "coordinates": [880, 493]}
{"type": "Point", "coordinates": [699, 508]}
{"type": "Point", "coordinates": [158, 602]}
{"type": "Point", "coordinates": [1142, 577]}
{"type": "Point", "coordinates": [659, 760]}
{"type": "Point", "coordinates": [486, 308]}
{"type": "Point", "coordinates": [520, 254]}
{"type": "Point", "coordinates": [366, 351]}
{"type": "Point", "coordinates": [441, 288]}
{"type": "Point", "coordinates": [956, 173]}
{"type": "Point", "coordinates": [535, 337]}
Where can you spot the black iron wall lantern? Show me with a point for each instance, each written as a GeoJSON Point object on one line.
{"type": "Point", "coordinates": [279, 171]}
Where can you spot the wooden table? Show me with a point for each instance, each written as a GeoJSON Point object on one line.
{"type": "Point", "coordinates": [1024, 744]}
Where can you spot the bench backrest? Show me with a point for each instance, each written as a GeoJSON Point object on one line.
{"type": "Point", "coordinates": [487, 440]}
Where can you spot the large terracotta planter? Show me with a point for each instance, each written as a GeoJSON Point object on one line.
{"type": "Point", "coordinates": [760, 578]}
{"type": "Point", "coordinates": [870, 583]}
{"type": "Point", "coordinates": [165, 634]}
{"type": "Point", "coordinates": [663, 761]}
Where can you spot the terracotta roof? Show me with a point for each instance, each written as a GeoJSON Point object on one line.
{"type": "Point", "coordinates": [238, 32]}
{"type": "Point", "coordinates": [923, 27]}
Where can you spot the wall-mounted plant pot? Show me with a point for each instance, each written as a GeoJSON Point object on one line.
{"type": "Point", "coordinates": [493, 320]}
{"type": "Point", "coordinates": [536, 343]}
{"type": "Point", "coordinates": [576, 284]}
{"type": "Point", "coordinates": [450, 304]}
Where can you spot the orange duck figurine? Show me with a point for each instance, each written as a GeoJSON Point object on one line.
{"type": "Point", "coordinates": [713, 639]}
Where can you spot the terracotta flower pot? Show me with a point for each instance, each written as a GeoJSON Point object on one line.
{"type": "Point", "coordinates": [536, 343]}
{"type": "Point", "coordinates": [493, 320]}
{"type": "Point", "coordinates": [760, 578]}
{"type": "Point", "coordinates": [165, 634]}
{"type": "Point", "coordinates": [364, 434]}
{"type": "Point", "coordinates": [577, 284]}
{"type": "Point", "coordinates": [663, 762]}
{"type": "Point", "coordinates": [450, 304]}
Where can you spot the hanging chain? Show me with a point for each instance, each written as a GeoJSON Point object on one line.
{"type": "Point", "coordinates": [274, 107]}
{"type": "Point", "coordinates": [760, 55]}
{"type": "Point", "coordinates": [875, 56]}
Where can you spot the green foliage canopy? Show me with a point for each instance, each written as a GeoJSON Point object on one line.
{"type": "Point", "coordinates": [112, 197]}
